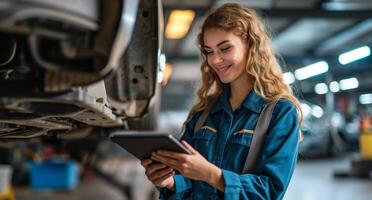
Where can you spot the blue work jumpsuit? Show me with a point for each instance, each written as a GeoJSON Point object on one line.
{"type": "Point", "coordinates": [224, 140]}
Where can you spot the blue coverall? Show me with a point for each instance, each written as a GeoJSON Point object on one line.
{"type": "Point", "coordinates": [224, 140]}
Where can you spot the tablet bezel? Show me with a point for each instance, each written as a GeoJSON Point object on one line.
{"type": "Point", "coordinates": [141, 145]}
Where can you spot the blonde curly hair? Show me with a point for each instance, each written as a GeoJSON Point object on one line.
{"type": "Point", "coordinates": [262, 66]}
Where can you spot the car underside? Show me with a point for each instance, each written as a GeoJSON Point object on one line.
{"type": "Point", "coordinates": [67, 68]}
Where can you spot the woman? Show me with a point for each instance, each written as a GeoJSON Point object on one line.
{"type": "Point", "coordinates": [240, 70]}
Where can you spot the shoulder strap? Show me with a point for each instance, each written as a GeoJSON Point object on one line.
{"type": "Point", "coordinates": [205, 113]}
{"type": "Point", "coordinates": [259, 137]}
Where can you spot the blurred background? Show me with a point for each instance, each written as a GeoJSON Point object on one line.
{"type": "Point", "coordinates": [324, 48]}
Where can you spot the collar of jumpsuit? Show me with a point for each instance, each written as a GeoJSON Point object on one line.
{"type": "Point", "coordinates": [252, 101]}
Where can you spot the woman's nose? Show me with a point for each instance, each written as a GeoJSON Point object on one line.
{"type": "Point", "coordinates": [216, 59]}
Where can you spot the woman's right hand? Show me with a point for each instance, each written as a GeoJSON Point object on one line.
{"type": "Point", "coordinates": [159, 174]}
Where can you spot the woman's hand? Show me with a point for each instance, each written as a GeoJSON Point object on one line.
{"type": "Point", "coordinates": [193, 165]}
{"type": "Point", "coordinates": [159, 174]}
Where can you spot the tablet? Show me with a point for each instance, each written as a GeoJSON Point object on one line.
{"type": "Point", "coordinates": [141, 145]}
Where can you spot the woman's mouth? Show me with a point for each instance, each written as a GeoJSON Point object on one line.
{"type": "Point", "coordinates": [222, 70]}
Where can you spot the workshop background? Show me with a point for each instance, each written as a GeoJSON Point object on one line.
{"type": "Point", "coordinates": [324, 47]}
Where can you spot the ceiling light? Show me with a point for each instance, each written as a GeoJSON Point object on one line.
{"type": "Point", "coordinates": [288, 77]}
{"type": "Point", "coordinates": [306, 110]}
{"type": "Point", "coordinates": [321, 88]}
{"type": "Point", "coordinates": [317, 111]}
{"type": "Point", "coordinates": [179, 23]}
{"type": "Point", "coordinates": [162, 62]}
{"type": "Point", "coordinates": [311, 70]}
{"type": "Point", "coordinates": [350, 83]}
{"type": "Point", "coordinates": [354, 55]}
{"type": "Point", "coordinates": [365, 98]}
{"type": "Point", "coordinates": [334, 86]}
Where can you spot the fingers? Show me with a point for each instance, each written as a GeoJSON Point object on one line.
{"type": "Point", "coordinates": [154, 167]}
{"type": "Point", "coordinates": [166, 156]}
{"type": "Point", "coordinates": [146, 162]}
{"type": "Point", "coordinates": [169, 154]}
{"type": "Point", "coordinates": [189, 147]}
{"type": "Point", "coordinates": [160, 175]}
{"type": "Point", "coordinates": [167, 161]}
{"type": "Point", "coordinates": [160, 181]}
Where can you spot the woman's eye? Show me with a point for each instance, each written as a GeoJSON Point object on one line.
{"type": "Point", "coordinates": [207, 52]}
{"type": "Point", "coordinates": [225, 49]}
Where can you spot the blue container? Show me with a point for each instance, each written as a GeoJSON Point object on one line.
{"type": "Point", "coordinates": [54, 175]}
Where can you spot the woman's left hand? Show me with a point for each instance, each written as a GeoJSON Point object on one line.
{"type": "Point", "coordinates": [193, 165]}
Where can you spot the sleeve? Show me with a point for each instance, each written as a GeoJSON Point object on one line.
{"type": "Point", "coordinates": [276, 165]}
{"type": "Point", "coordinates": [183, 185]}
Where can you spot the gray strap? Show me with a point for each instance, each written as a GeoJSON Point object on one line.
{"type": "Point", "coordinates": [259, 137]}
{"type": "Point", "coordinates": [205, 113]}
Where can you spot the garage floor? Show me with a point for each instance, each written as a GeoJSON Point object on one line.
{"type": "Point", "coordinates": [312, 180]}
{"type": "Point", "coordinates": [88, 190]}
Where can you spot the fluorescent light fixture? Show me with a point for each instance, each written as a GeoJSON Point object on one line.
{"type": "Point", "coordinates": [365, 98]}
{"type": "Point", "coordinates": [354, 55]}
{"type": "Point", "coordinates": [162, 62]}
{"type": "Point", "coordinates": [311, 70]}
{"type": "Point", "coordinates": [342, 5]}
{"type": "Point", "coordinates": [321, 88]}
{"type": "Point", "coordinates": [160, 77]}
{"type": "Point", "coordinates": [288, 77]}
{"type": "Point", "coordinates": [334, 86]}
{"type": "Point", "coordinates": [179, 23]}
{"type": "Point", "coordinates": [306, 110]}
{"type": "Point", "coordinates": [350, 83]}
{"type": "Point", "coordinates": [317, 111]}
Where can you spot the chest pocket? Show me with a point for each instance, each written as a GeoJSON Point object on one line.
{"type": "Point", "coordinates": [203, 140]}
{"type": "Point", "coordinates": [238, 149]}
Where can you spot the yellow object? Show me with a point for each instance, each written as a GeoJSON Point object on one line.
{"type": "Point", "coordinates": [365, 144]}
{"type": "Point", "coordinates": [166, 74]}
{"type": "Point", "coordinates": [179, 23]}
{"type": "Point", "coordinates": [209, 128]}
{"type": "Point", "coordinates": [8, 195]}
{"type": "Point", "coordinates": [244, 131]}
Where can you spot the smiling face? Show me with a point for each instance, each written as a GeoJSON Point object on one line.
{"type": "Point", "coordinates": [226, 54]}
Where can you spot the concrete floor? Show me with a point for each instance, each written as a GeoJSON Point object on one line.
{"type": "Point", "coordinates": [88, 190]}
{"type": "Point", "coordinates": [94, 188]}
{"type": "Point", "coordinates": [313, 180]}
